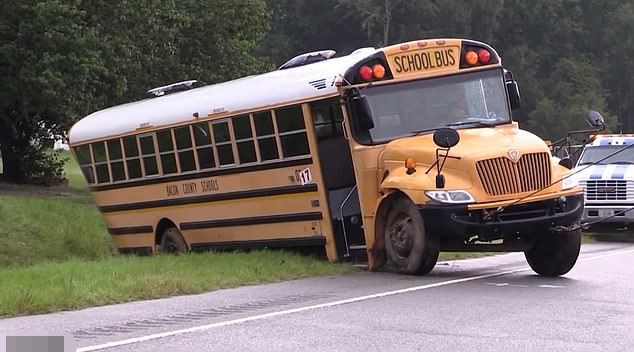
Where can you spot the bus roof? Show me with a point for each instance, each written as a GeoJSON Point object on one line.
{"type": "Point", "coordinates": [252, 92]}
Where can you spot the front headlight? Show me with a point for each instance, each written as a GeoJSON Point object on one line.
{"type": "Point", "coordinates": [569, 182]}
{"type": "Point", "coordinates": [453, 197]}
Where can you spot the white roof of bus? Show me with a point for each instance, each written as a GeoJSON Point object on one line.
{"type": "Point", "coordinates": [250, 92]}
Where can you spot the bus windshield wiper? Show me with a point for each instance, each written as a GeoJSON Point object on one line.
{"type": "Point", "coordinates": [478, 123]}
{"type": "Point", "coordinates": [416, 133]}
{"type": "Point", "coordinates": [623, 162]}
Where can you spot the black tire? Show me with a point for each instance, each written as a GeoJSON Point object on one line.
{"type": "Point", "coordinates": [173, 242]}
{"type": "Point", "coordinates": [408, 248]}
{"type": "Point", "coordinates": [554, 254]}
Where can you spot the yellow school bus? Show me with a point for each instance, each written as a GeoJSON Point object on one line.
{"type": "Point", "coordinates": [390, 154]}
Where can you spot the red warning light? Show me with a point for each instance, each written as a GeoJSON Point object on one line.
{"type": "Point", "coordinates": [365, 73]}
{"type": "Point", "coordinates": [484, 56]}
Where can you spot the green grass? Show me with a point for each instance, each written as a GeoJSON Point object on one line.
{"type": "Point", "coordinates": [72, 172]}
{"type": "Point", "coordinates": [50, 229]}
{"type": "Point", "coordinates": [76, 284]}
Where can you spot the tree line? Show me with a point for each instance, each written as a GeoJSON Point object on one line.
{"type": "Point", "coordinates": [63, 59]}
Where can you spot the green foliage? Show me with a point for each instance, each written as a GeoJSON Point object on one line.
{"type": "Point", "coordinates": [48, 68]}
{"type": "Point", "coordinates": [575, 90]}
{"type": "Point", "coordinates": [149, 43]}
{"type": "Point", "coordinates": [60, 60]}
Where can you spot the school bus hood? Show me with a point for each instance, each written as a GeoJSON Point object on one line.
{"type": "Point", "coordinates": [475, 144]}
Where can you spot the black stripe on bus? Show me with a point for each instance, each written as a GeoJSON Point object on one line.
{"type": "Point", "coordinates": [211, 198]}
{"type": "Point", "coordinates": [130, 230]}
{"type": "Point", "coordinates": [256, 220]}
{"type": "Point", "coordinates": [136, 250]}
{"type": "Point", "coordinates": [236, 170]}
{"type": "Point", "coordinates": [271, 243]}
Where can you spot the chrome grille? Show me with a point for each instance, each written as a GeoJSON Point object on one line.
{"type": "Point", "coordinates": [608, 189]}
{"type": "Point", "coordinates": [501, 176]}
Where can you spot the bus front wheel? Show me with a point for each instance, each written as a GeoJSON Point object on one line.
{"type": "Point", "coordinates": [554, 254]}
{"type": "Point", "coordinates": [173, 242]}
{"type": "Point", "coordinates": [409, 249]}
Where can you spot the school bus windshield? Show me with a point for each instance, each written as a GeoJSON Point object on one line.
{"type": "Point", "coordinates": [470, 100]}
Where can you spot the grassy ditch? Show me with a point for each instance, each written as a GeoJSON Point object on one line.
{"type": "Point", "coordinates": [75, 284]}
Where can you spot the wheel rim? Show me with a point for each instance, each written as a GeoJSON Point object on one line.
{"type": "Point", "coordinates": [402, 235]}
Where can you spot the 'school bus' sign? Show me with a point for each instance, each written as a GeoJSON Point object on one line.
{"type": "Point", "coordinates": [409, 60]}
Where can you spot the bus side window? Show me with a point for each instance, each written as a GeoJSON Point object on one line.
{"type": "Point", "coordinates": [166, 151]}
{"type": "Point", "coordinates": [133, 162]}
{"type": "Point", "coordinates": [116, 160]}
{"type": "Point", "coordinates": [204, 149]}
{"type": "Point", "coordinates": [101, 162]}
{"type": "Point", "coordinates": [265, 131]}
{"type": "Point", "coordinates": [292, 131]}
{"type": "Point", "coordinates": [149, 155]}
{"type": "Point", "coordinates": [85, 162]}
{"type": "Point", "coordinates": [185, 150]}
{"type": "Point", "coordinates": [222, 137]}
{"type": "Point", "coordinates": [244, 139]}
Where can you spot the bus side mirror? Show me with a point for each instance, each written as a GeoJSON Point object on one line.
{"type": "Point", "coordinates": [363, 111]}
{"type": "Point", "coordinates": [595, 119]}
{"type": "Point", "coordinates": [514, 94]}
{"type": "Point", "coordinates": [446, 137]}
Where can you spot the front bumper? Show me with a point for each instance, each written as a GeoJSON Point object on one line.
{"type": "Point", "coordinates": [607, 218]}
{"type": "Point", "coordinates": [517, 220]}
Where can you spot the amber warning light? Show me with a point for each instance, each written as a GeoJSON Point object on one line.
{"type": "Point", "coordinates": [473, 57]}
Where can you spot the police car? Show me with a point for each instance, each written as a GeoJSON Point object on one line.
{"type": "Point", "coordinates": [605, 170]}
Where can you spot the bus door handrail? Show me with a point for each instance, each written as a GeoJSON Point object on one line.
{"type": "Point", "coordinates": [343, 223]}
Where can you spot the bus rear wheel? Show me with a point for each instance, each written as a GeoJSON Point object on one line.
{"type": "Point", "coordinates": [173, 242]}
{"type": "Point", "coordinates": [554, 254]}
{"type": "Point", "coordinates": [409, 249]}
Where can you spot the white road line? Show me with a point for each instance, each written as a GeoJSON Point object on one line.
{"type": "Point", "coordinates": [317, 306]}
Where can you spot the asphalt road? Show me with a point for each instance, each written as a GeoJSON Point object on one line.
{"type": "Point", "coordinates": [488, 304]}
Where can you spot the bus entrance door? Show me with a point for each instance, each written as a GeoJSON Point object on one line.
{"type": "Point", "coordinates": [338, 173]}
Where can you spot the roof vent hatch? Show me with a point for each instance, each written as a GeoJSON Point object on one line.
{"type": "Point", "coordinates": [308, 58]}
{"type": "Point", "coordinates": [172, 88]}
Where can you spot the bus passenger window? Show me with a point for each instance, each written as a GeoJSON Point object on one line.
{"type": "Point", "coordinates": [295, 145]}
{"type": "Point", "coordinates": [185, 150]}
{"type": "Point", "coordinates": [85, 161]}
{"type": "Point", "coordinates": [205, 152]}
{"type": "Point", "coordinates": [292, 131]}
{"type": "Point", "coordinates": [166, 151]}
{"type": "Point", "coordinates": [223, 143]}
{"type": "Point", "coordinates": [265, 132]}
{"type": "Point", "coordinates": [244, 139]}
{"type": "Point", "coordinates": [116, 160]}
{"type": "Point", "coordinates": [101, 162]}
{"type": "Point", "coordinates": [132, 157]}
{"type": "Point", "coordinates": [149, 156]}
